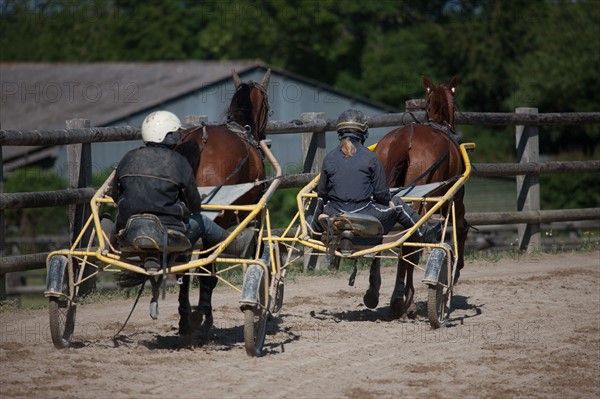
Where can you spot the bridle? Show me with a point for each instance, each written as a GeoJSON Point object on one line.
{"type": "Point", "coordinates": [264, 116]}
{"type": "Point", "coordinates": [449, 97]}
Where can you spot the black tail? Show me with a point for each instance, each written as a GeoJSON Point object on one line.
{"type": "Point", "coordinates": [127, 279]}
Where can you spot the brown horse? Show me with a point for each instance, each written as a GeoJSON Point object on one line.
{"type": "Point", "coordinates": [225, 155]}
{"type": "Point", "coordinates": [419, 154]}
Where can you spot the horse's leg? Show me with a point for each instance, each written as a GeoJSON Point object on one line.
{"type": "Point", "coordinates": [184, 306]}
{"type": "Point", "coordinates": [409, 304]}
{"type": "Point", "coordinates": [462, 228]}
{"type": "Point", "coordinates": [371, 298]}
{"type": "Point", "coordinates": [461, 235]}
{"type": "Point", "coordinates": [203, 318]}
{"type": "Point", "coordinates": [397, 301]}
{"type": "Point", "coordinates": [404, 290]}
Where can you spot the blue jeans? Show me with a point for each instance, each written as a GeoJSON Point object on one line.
{"type": "Point", "coordinates": [200, 226]}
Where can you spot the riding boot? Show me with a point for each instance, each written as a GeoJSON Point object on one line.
{"type": "Point", "coordinates": [240, 247]}
{"type": "Point", "coordinates": [429, 232]}
{"type": "Point", "coordinates": [211, 233]}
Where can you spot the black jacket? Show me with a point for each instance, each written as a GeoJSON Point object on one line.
{"type": "Point", "coordinates": [155, 179]}
{"type": "Point", "coordinates": [351, 183]}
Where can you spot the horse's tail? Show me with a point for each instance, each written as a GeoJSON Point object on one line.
{"type": "Point", "coordinates": [128, 279]}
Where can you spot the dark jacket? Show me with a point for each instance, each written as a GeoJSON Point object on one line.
{"type": "Point", "coordinates": [349, 183]}
{"type": "Point", "coordinates": [155, 179]}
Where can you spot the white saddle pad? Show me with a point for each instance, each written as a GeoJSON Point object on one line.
{"type": "Point", "coordinates": [226, 195]}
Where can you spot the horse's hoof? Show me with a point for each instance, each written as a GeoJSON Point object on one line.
{"type": "Point", "coordinates": [195, 319]}
{"type": "Point", "coordinates": [456, 276]}
{"type": "Point", "coordinates": [397, 308]}
{"type": "Point", "coordinates": [154, 310]}
{"type": "Point", "coordinates": [186, 340]}
{"type": "Point", "coordinates": [371, 299]}
{"type": "Point", "coordinates": [200, 321]}
{"type": "Point", "coordinates": [207, 323]}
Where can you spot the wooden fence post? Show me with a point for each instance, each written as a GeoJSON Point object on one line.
{"type": "Point", "coordinates": [313, 148]}
{"type": "Point", "coordinates": [79, 163]}
{"type": "Point", "coordinates": [196, 119]}
{"type": "Point", "coordinates": [313, 144]}
{"type": "Point", "coordinates": [2, 230]}
{"type": "Point", "coordinates": [528, 186]}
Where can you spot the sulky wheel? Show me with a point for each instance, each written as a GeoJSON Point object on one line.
{"type": "Point", "coordinates": [439, 283]}
{"type": "Point", "coordinates": [438, 305]}
{"type": "Point", "coordinates": [255, 312]}
{"type": "Point", "coordinates": [276, 290]}
{"type": "Point", "coordinates": [61, 292]}
{"type": "Point", "coordinates": [276, 302]}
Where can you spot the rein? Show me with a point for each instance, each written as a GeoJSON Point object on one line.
{"type": "Point", "coordinates": [204, 134]}
{"type": "Point", "coordinates": [432, 168]}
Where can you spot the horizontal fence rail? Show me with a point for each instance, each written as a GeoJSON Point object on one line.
{"type": "Point", "coordinates": [125, 133]}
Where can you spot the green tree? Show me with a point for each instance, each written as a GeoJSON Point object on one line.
{"type": "Point", "coordinates": [562, 73]}
{"type": "Point", "coordinates": [391, 66]}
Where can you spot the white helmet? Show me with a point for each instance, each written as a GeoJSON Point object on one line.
{"type": "Point", "coordinates": [158, 124]}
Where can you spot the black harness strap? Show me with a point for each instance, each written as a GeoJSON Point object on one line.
{"type": "Point", "coordinates": [237, 168]}
{"type": "Point", "coordinates": [433, 167]}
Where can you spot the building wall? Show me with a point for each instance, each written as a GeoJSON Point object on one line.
{"type": "Point", "coordinates": [288, 97]}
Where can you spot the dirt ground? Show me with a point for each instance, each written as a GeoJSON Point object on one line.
{"type": "Point", "coordinates": [521, 327]}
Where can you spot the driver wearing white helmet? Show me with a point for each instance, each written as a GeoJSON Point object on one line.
{"type": "Point", "coordinates": [157, 179]}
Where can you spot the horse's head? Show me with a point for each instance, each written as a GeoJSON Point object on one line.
{"type": "Point", "coordinates": [440, 101]}
{"type": "Point", "coordinates": [250, 104]}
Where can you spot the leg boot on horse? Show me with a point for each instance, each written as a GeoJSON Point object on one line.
{"type": "Point", "coordinates": [213, 234]}
{"type": "Point", "coordinates": [202, 318]}
{"type": "Point", "coordinates": [402, 297]}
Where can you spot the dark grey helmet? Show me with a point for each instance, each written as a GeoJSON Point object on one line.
{"type": "Point", "coordinates": [352, 123]}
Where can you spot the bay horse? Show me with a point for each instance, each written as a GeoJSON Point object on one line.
{"type": "Point", "coordinates": [419, 154]}
{"type": "Point", "coordinates": [224, 155]}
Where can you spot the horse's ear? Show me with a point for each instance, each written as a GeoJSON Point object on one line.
{"type": "Point", "coordinates": [265, 80]}
{"type": "Point", "coordinates": [453, 83]}
{"type": "Point", "coordinates": [426, 83]}
{"type": "Point", "coordinates": [236, 79]}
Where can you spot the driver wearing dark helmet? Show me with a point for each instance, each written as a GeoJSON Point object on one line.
{"type": "Point", "coordinates": [353, 181]}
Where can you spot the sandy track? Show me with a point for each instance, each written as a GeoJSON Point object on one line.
{"type": "Point", "coordinates": [527, 327]}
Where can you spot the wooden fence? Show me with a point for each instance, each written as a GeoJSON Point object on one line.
{"type": "Point", "coordinates": [79, 135]}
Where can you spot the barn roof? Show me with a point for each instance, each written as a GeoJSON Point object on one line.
{"type": "Point", "coordinates": [45, 95]}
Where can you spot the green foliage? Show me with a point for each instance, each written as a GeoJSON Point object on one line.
{"type": "Point", "coordinates": [568, 191]}
{"type": "Point", "coordinates": [33, 221]}
{"type": "Point", "coordinates": [391, 65]}
{"type": "Point", "coordinates": [283, 206]}
{"type": "Point", "coordinates": [494, 144]}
